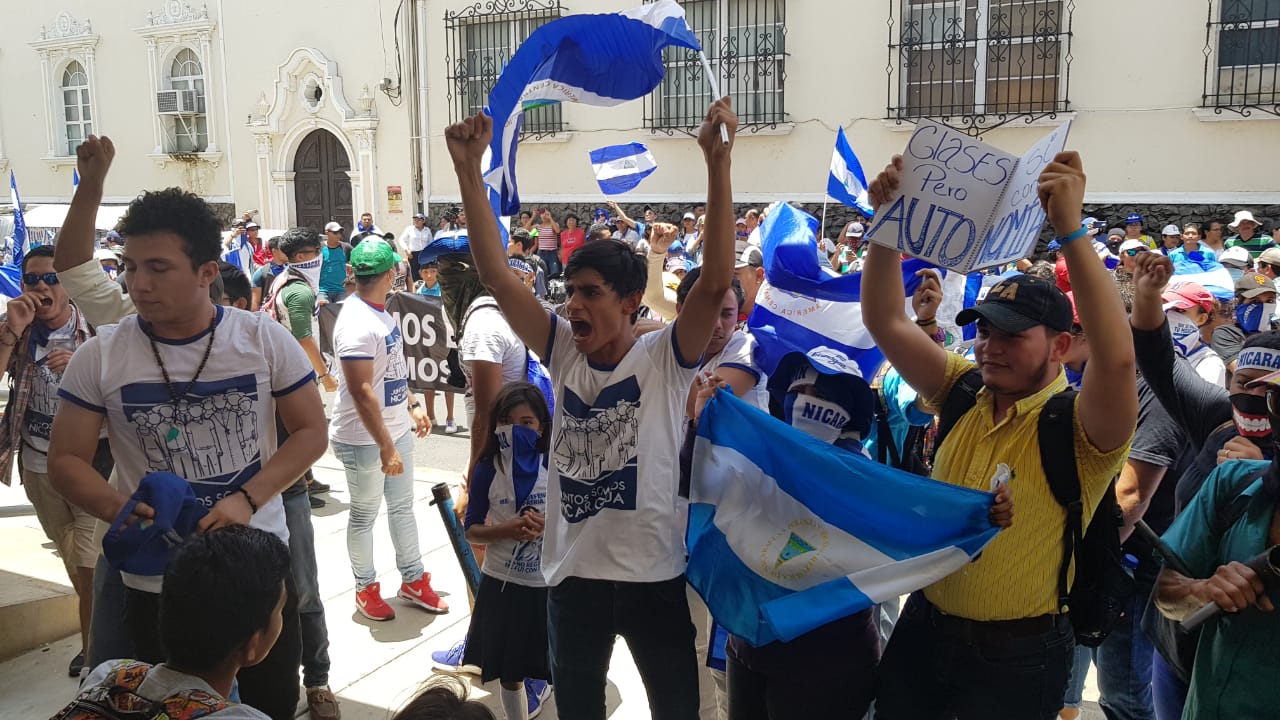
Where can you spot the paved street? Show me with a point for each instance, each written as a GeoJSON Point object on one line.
{"type": "Point", "coordinates": [377, 667]}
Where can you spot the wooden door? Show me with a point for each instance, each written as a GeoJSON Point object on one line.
{"type": "Point", "coordinates": [322, 189]}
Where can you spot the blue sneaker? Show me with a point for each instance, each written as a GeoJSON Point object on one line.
{"type": "Point", "coordinates": [537, 692]}
{"type": "Point", "coordinates": [450, 661]}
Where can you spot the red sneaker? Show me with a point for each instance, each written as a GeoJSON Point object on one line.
{"type": "Point", "coordinates": [371, 605]}
{"type": "Point", "coordinates": [419, 593]}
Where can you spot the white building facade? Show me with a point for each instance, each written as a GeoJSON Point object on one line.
{"type": "Point", "coordinates": [307, 112]}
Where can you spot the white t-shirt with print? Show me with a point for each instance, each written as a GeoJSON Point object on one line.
{"type": "Point", "coordinates": [737, 354]}
{"type": "Point", "coordinates": [218, 433]}
{"type": "Point", "coordinates": [42, 403]}
{"type": "Point", "coordinates": [363, 332]}
{"type": "Point", "coordinates": [613, 505]}
{"type": "Point", "coordinates": [488, 337]}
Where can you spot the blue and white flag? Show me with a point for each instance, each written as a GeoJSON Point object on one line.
{"type": "Point", "coordinates": [847, 184]}
{"type": "Point", "coordinates": [787, 533]}
{"type": "Point", "coordinates": [1205, 270]}
{"type": "Point", "coordinates": [75, 178]}
{"type": "Point", "coordinates": [604, 59]}
{"type": "Point", "coordinates": [803, 307]}
{"type": "Point", "coordinates": [19, 223]}
{"type": "Point", "coordinates": [619, 168]}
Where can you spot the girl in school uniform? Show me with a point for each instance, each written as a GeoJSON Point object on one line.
{"type": "Point", "coordinates": [507, 638]}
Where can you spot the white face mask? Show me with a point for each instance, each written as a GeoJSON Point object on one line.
{"type": "Point", "coordinates": [310, 270]}
{"type": "Point", "coordinates": [814, 416]}
{"type": "Point", "coordinates": [1186, 334]}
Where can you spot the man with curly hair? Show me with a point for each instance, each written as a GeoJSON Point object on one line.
{"type": "Point", "coordinates": [192, 388]}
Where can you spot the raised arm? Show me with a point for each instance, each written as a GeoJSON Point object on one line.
{"type": "Point", "coordinates": [467, 141]}
{"type": "Point", "coordinates": [920, 361]}
{"type": "Point", "coordinates": [617, 211]}
{"type": "Point", "coordinates": [702, 308]}
{"type": "Point", "coordinates": [658, 296]}
{"type": "Point", "coordinates": [75, 240]}
{"type": "Point", "coordinates": [97, 296]}
{"type": "Point", "coordinates": [1108, 404]}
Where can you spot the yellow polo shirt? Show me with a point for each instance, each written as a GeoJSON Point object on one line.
{"type": "Point", "coordinates": [1017, 574]}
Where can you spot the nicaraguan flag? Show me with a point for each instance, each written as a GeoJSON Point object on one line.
{"type": "Point", "coordinates": [1212, 275]}
{"type": "Point", "coordinates": [787, 533]}
{"type": "Point", "coordinates": [803, 307]}
{"type": "Point", "coordinates": [604, 59]}
{"type": "Point", "coordinates": [847, 183]}
{"type": "Point", "coordinates": [19, 223]}
{"type": "Point", "coordinates": [619, 168]}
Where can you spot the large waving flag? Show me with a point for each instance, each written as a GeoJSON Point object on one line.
{"type": "Point", "coordinates": [619, 168]}
{"type": "Point", "coordinates": [787, 533]}
{"type": "Point", "coordinates": [847, 183]}
{"type": "Point", "coordinates": [604, 59]}
{"type": "Point", "coordinates": [803, 307]}
{"type": "Point", "coordinates": [19, 223]}
{"type": "Point", "coordinates": [1204, 269]}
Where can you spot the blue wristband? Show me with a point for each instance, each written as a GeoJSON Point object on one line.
{"type": "Point", "coordinates": [1073, 236]}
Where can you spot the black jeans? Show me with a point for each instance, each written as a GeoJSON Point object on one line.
{"type": "Point", "coordinates": [829, 672]}
{"type": "Point", "coordinates": [271, 686]}
{"type": "Point", "coordinates": [583, 619]}
{"type": "Point", "coordinates": [940, 669]}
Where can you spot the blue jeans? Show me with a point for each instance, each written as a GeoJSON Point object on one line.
{"type": "Point", "coordinates": [1169, 693]}
{"type": "Point", "coordinates": [367, 485]}
{"type": "Point", "coordinates": [108, 636]}
{"type": "Point", "coordinates": [584, 617]}
{"type": "Point", "coordinates": [302, 562]}
{"type": "Point", "coordinates": [552, 260]}
{"type": "Point", "coordinates": [332, 297]}
{"type": "Point", "coordinates": [1124, 661]}
{"type": "Point", "coordinates": [1075, 681]}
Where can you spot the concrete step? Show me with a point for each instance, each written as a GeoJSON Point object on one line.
{"type": "Point", "coordinates": [37, 605]}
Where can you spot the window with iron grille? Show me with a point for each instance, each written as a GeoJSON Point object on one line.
{"type": "Point", "coordinates": [978, 64]}
{"type": "Point", "coordinates": [480, 42]}
{"type": "Point", "coordinates": [744, 41]}
{"type": "Point", "coordinates": [1242, 56]}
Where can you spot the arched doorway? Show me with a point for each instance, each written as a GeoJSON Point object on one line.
{"type": "Point", "coordinates": [322, 189]}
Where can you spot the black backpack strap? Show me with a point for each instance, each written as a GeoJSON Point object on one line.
{"type": "Point", "coordinates": [1230, 513]}
{"type": "Point", "coordinates": [1057, 440]}
{"type": "Point", "coordinates": [961, 399]}
{"type": "Point", "coordinates": [886, 448]}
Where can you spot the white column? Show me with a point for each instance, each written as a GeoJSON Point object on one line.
{"type": "Point", "coordinates": [206, 66]}
{"type": "Point", "coordinates": [366, 161]}
{"type": "Point", "coordinates": [424, 142]}
{"type": "Point", "coordinates": [262, 162]}
{"type": "Point", "coordinates": [153, 83]}
{"type": "Point", "coordinates": [91, 67]}
{"type": "Point", "coordinates": [50, 110]}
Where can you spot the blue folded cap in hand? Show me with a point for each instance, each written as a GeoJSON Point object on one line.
{"type": "Point", "coordinates": [145, 547]}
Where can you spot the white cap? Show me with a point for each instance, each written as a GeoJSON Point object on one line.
{"type": "Point", "coordinates": [1128, 245]}
{"type": "Point", "coordinates": [689, 216]}
{"type": "Point", "coordinates": [104, 254]}
{"type": "Point", "coordinates": [1236, 256]}
{"type": "Point", "coordinates": [333, 227]}
{"type": "Point", "coordinates": [1170, 230]}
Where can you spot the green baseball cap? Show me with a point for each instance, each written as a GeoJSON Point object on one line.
{"type": "Point", "coordinates": [373, 257]}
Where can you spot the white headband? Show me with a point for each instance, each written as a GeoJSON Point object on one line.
{"type": "Point", "coordinates": [1258, 358]}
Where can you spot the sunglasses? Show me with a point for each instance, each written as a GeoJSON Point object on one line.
{"type": "Point", "coordinates": [1132, 252]}
{"type": "Point", "coordinates": [34, 279]}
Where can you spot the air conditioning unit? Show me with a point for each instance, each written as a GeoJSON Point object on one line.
{"type": "Point", "coordinates": [179, 102]}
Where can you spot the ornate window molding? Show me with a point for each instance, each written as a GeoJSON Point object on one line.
{"type": "Point", "coordinates": [745, 44]}
{"type": "Point", "coordinates": [183, 120]}
{"type": "Point", "coordinates": [1241, 61]}
{"type": "Point", "coordinates": [66, 41]}
{"type": "Point", "coordinates": [480, 41]}
{"type": "Point", "coordinates": [979, 64]}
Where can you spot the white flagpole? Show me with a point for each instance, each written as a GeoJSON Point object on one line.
{"type": "Point", "coordinates": [822, 232]}
{"type": "Point", "coordinates": [715, 91]}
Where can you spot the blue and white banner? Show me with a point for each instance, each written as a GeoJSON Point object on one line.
{"type": "Point", "coordinates": [19, 223]}
{"type": "Point", "coordinates": [619, 168]}
{"type": "Point", "coordinates": [847, 184]}
{"type": "Point", "coordinates": [787, 533]}
{"type": "Point", "coordinates": [1198, 268]}
{"type": "Point", "coordinates": [603, 59]}
{"type": "Point", "coordinates": [803, 307]}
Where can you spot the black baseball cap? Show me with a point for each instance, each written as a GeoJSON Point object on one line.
{"type": "Point", "coordinates": [1020, 303]}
